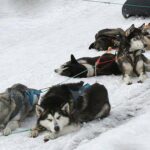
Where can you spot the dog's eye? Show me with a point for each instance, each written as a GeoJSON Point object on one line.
{"type": "Point", "coordinates": [134, 39]}
{"type": "Point", "coordinates": [58, 117]}
{"type": "Point", "coordinates": [49, 120]}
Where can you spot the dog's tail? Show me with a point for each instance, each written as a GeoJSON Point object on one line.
{"type": "Point", "coordinates": [146, 63]}
{"type": "Point", "coordinates": [147, 68]}
{"type": "Point", "coordinates": [146, 60]}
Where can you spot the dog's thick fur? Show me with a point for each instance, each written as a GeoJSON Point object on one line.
{"type": "Point", "coordinates": [130, 57]}
{"type": "Point", "coordinates": [107, 38]}
{"type": "Point", "coordinates": [14, 107]}
{"type": "Point", "coordinates": [145, 28]}
{"type": "Point", "coordinates": [132, 8]}
{"type": "Point", "coordinates": [87, 66]}
{"type": "Point", "coordinates": [60, 113]}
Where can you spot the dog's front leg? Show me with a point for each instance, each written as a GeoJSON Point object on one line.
{"type": "Point", "coordinates": [127, 79]}
{"type": "Point", "coordinates": [142, 77]}
{"type": "Point", "coordinates": [50, 136]}
{"type": "Point", "coordinates": [140, 71]}
{"type": "Point", "coordinates": [2, 127]}
{"type": "Point", "coordinates": [35, 131]}
{"type": "Point", "coordinates": [11, 126]}
{"type": "Point", "coordinates": [66, 130]}
{"type": "Point", "coordinates": [127, 69]}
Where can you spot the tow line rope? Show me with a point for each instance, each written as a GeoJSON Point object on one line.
{"type": "Point", "coordinates": [115, 3]}
{"type": "Point", "coordinates": [17, 132]}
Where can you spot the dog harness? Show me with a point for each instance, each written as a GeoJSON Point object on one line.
{"type": "Point", "coordinates": [31, 93]}
{"type": "Point", "coordinates": [134, 52]}
{"type": "Point", "coordinates": [80, 92]}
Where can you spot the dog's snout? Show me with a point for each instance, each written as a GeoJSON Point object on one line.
{"type": "Point", "coordinates": [56, 70]}
{"type": "Point", "coordinates": [56, 128]}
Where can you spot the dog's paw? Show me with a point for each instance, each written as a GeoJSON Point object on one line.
{"type": "Point", "coordinates": [142, 78]}
{"type": "Point", "coordinates": [50, 136]}
{"type": "Point", "coordinates": [7, 131]}
{"type": "Point", "coordinates": [127, 80]}
{"type": "Point", "coordinates": [34, 133]}
{"type": "Point", "coordinates": [140, 81]}
{"type": "Point", "coordinates": [129, 83]}
{"type": "Point", "coordinates": [1, 127]}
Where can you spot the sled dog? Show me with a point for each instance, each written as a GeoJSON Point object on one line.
{"type": "Point", "coordinates": [16, 103]}
{"type": "Point", "coordinates": [107, 38]}
{"type": "Point", "coordinates": [65, 107]}
{"type": "Point", "coordinates": [85, 67]}
{"type": "Point", "coordinates": [130, 57]}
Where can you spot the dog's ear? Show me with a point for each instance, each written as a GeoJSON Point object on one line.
{"type": "Point", "coordinates": [96, 36]}
{"type": "Point", "coordinates": [73, 60]}
{"type": "Point", "coordinates": [142, 26]}
{"type": "Point", "coordinates": [39, 110]}
{"type": "Point", "coordinates": [132, 26]}
{"type": "Point", "coordinates": [129, 30]}
{"type": "Point", "coordinates": [91, 46]}
{"type": "Point", "coordinates": [66, 108]}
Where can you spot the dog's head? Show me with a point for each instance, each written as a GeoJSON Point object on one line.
{"type": "Point", "coordinates": [72, 68]}
{"type": "Point", "coordinates": [102, 43]}
{"type": "Point", "coordinates": [145, 28]}
{"type": "Point", "coordinates": [135, 36]}
{"type": "Point", "coordinates": [53, 114]}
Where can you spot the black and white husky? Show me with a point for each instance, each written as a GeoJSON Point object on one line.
{"type": "Point", "coordinates": [130, 56]}
{"type": "Point", "coordinates": [64, 107]}
{"type": "Point", "coordinates": [145, 28]}
{"type": "Point", "coordinates": [85, 67]}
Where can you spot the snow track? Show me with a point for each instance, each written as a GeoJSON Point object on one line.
{"type": "Point", "coordinates": [36, 36]}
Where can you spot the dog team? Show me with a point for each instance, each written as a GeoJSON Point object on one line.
{"type": "Point", "coordinates": [65, 107]}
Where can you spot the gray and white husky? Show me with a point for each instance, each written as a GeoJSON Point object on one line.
{"type": "Point", "coordinates": [64, 107]}
{"type": "Point", "coordinates": [130, 57]}
{"type": "Point", "coordinates": [15, 104]}
{"type": "Point", "coordinates": [145, 28]}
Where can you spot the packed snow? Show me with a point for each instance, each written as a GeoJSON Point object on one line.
{"type": "Point", "coordinates": [36, 37]}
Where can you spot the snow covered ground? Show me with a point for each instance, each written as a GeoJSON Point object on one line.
{"type": "Point", "coordinates": [36, 36]}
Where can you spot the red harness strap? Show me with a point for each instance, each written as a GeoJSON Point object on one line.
{"type": "Point", "coordinates": [98, 62]}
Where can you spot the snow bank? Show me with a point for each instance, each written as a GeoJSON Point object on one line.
{"type": "Point", "coordinates": [133, 135]}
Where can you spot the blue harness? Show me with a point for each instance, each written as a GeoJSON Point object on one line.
{"type": "Point", "coordinates": [31, 93]}
{"type": "Point", "coordinates": [19, 102]}
{"type": "Point", "coordinates": [80, 92]}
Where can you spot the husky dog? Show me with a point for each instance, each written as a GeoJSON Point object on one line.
{"type": "Point", "coordinates": [106, 38]}
{"type": "Point", "coordinates": [64, 107]}
{"type": "Point", "coordinates": [130, 57]}
{"type": "Point", "coordinates": [85, 67]}
{"type": "Point", "coordinates": [146, 35]}
{"type": "Point", "coordinates": [15, 104]}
